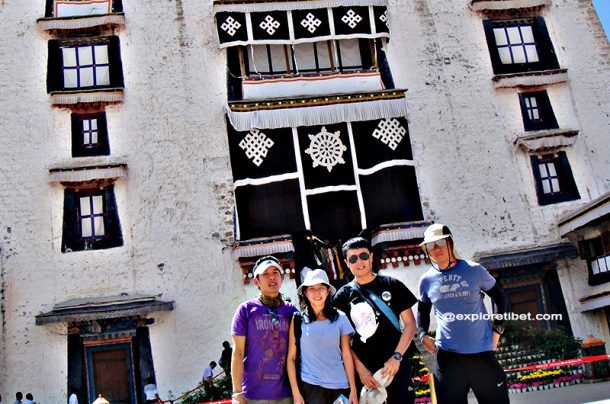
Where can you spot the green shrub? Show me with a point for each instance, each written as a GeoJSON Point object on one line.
{"type": "Point", "coordinates": [221, 389]}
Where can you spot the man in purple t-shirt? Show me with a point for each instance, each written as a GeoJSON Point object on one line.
{"type": "Point", "coordinates": [260, 340]}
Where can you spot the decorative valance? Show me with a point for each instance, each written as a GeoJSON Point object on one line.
{"type": "Point", "coordinates": [298, 22]}
{"type": "Point", "coordinates": [103, 307]}
{"type": "Point", "coordinates": [80, 96]}
{"type": "Point", "coordinates": [537, 255]}
{"type": "Point", "coordinates": [529, 79]}
{"type": "Point", "coordinates": [502, 5]}
{"type": "Point", "coordinates": [246, 265]}
{"type": "Point", "coordinates": [547, 140]}
{"type": "Point", "coordinates": [263, 246]}
{"type": "Point", "coordinates": [307, 111]}
{"type": "Point", "coordinates": [81, 22]}
{"type": "Point", "coordinates": [400, 254]}
{"type": "Point", "coordinates": [399, 232]}
{"type": "Point", "coordinates": [83, 174]}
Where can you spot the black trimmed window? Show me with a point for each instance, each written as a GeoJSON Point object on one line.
{"type": "Point", "coordinates": [521, 45]}
{"type": "Point", "coordinates": [309, 57]}
{"type": "Point", "coordinates": [89, 135]}
{"type": "Point", "coordinates": [537, 111]}
{"type": "Point", "coordinates": [91, 220]}
{"type": "Point", "coordinates": [345, 55]}
{"type": "Point", "coordinates": [554, 180]}
{"type": "Point", "coordinates": [84, 63]}
{"type": "Point", "coordinates": [597, 253]}
{"type": "Point", "coordinates": [52, 6]}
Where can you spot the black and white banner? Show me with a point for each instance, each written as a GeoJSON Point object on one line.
{"type": "Point", "coordinates": [239, 27]}
{"type": "Point", "coordinates": [334, 180]}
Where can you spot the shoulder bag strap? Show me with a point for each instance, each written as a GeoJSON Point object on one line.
{"type": "Point", "coordinates": [298, 320]}
{"type": "Point", "coordinates": [378, 303]}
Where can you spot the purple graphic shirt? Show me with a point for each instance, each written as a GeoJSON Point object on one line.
{"type": "Point", "coordinates": [266, 332]}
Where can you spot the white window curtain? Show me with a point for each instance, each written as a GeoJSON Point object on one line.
{"type": "Point", "coordinates": [548, 176]}
{"type": "Point", "coordinates": [516, 44]}
{"type": "Point", "coordinates": [259, 59]}
{"type": "Point", "coordinates": [92, 219]}
{"type": "Point", "coordinates": [90, 131]}
{"type": "Point", "coordinates": [86, 66]}
{"type": "Point", "coordinates": [350, 53]}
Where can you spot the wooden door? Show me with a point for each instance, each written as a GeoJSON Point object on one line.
{"type": "Point", "coordinates": [110, 373]}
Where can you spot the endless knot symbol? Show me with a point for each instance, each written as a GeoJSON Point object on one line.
{"type": "Point", "coordinates": [311, 22]}
{"type": "Point", "coordinates": [390, 132]}
{"type": "Point", "coordinates": [351, 18]}
{"type": "Point", "coordinates": [230, 26]}
{"type": "Point", "coordinates": [256, 145]}
{"type": "Point", "coordinates": [269, 25]}
{"type": "Point", "coordinates": [384, 17]}
{"type": "Point", "coordinates": [326, 149]}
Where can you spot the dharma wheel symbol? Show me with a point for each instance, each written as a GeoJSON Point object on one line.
{"type": "Point", "coordinates": [326, 149]}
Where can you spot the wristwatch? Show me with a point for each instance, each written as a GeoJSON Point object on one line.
{"type": "Point", "coordinates": [498, 329]}
{"type": "Point", "coordinates": [397, 356]}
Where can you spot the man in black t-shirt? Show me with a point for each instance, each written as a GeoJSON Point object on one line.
{"type": "Point", "coordinates": [378, 343]}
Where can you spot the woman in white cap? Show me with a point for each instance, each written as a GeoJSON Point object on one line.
{"type": "Point", "coordinates": [326, 366]}
{"type": "Point", "coordinates": [465, 338]}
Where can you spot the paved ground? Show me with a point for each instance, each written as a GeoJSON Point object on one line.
{"type": "Point", "coordinates": [589, 393]}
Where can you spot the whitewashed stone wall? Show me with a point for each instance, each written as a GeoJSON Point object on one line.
{"type": "Point", "coordinates": [175, 205]}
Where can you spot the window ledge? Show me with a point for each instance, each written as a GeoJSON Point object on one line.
{"type": "Point", "coordinates": [530, 79]}
{"type": "Point", "coordinates": [503, 5]}
{"type": "Point", "coordinates": [107, 95]}
{"type": "Point", "coordinates": [87, 173]}
{"type": "Point", "coordinates": [546, 140]}
{"type": "Point", "coordinates": [80, 22]}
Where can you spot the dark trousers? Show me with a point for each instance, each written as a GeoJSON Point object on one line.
{"type": "Point", "coordinates": [401, 390]}
{"type": "Point", "coordinates": [457, 373]}
{"type": "Point", "coordinates": [313, 394]}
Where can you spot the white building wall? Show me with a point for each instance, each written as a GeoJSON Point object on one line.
{"type": "Point", "coordinates": [175, 205]}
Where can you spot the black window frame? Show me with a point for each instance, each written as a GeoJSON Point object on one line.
{"type": "Point", "coordinates": [594, 249]}
{"type": "Point", "coordinates": [117, 7]}
{"type": "Point", "coordinates": [79, 149]}
{"type": "Point", "coordinates": [568, 191]}
{"type": "Point", "coordinates": [546, 115]}
{"type": "Point", "coordinates": [55, 77]}
{"type": "Point", "coordinates": [72, 239]}
{"type": "Point", "coordinates": [547, 58]}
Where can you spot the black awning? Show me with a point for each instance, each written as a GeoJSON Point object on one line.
{"type": "Point", "coordinates": [96, 308]}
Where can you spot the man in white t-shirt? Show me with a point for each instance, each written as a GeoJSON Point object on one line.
{"type": "Point", "coordinates": [73, 399]}
{"type": "Point", "coordinates": [152, 394]}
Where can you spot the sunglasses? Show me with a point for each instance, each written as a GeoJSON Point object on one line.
{"type": "Point", "coordinates": [354, 258]}
{"type": "Point", "coordinates": [438, 243]}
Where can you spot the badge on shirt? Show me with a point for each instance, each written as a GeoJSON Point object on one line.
{"type": "Point", "coordinates": [386, 296]}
